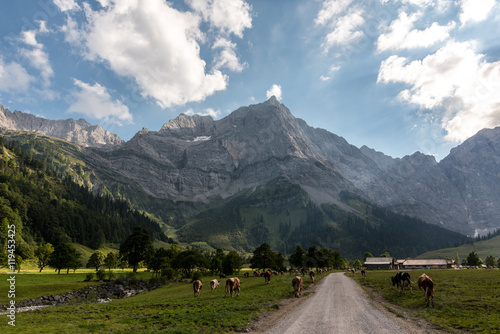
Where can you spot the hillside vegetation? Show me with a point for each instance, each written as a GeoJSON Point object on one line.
{"type": "Point", "coordinates": [483, 249]}
{"type": "Point", "coordinates": [44, 208]}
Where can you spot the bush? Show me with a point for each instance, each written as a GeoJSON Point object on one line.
{"type": "Point", "coordinates": [101, 274]}
{"type": "Point", "coordinates": [197, 275]}
{"type": "Point", "coordinates": [168, 273]}
{"type": "Point", "coordinates": [89, 277]}
{"type": "Point", "coordinates": [111, 275]}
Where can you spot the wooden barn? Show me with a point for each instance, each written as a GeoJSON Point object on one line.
{"type": "Point", "coordinates": [379, 263]}
{"type": "Point", "coordinates": [428, 264]}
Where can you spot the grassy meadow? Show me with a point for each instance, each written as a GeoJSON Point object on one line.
{"type": "Point", "coordinates": [467, 299]}
{"type": "Point", "coordinates": [168, 309]}
{"type": "Point", "coordinates": [482, 248]}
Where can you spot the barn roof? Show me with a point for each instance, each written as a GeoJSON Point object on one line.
{"type": "Point", "coordinates": [379, 260]}
{"type": "Point", "coordinates": [426, 262]}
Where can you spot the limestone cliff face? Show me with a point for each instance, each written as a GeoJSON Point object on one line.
{"type": "Point", "coordinates": [192, 158]}
{"type": "Point", "coordinates": [79, 132]}
{"type": "Point", "coordinates": [195, 157]}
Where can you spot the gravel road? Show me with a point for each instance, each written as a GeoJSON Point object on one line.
{"type": "Point", "coordinates": [338, 305]}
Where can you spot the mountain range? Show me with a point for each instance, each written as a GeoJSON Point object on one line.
{"type": "Point", "coordinates": [196, 159]}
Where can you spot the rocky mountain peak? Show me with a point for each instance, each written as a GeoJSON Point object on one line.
{"type": "Point", "coordinates": [79, 132]}
{"type": "Point", "coordinates": [185, 127]}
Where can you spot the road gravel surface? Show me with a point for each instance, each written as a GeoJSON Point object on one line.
{"type": "Point", "coordinates": [337, 305]}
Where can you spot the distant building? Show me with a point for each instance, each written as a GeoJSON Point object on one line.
{"type": "Point", "coordinates": [379, 263]}
{"type": "Point", "coordinates": [428, 264]}
{"type": "Point", "coordinates": [399, 263]}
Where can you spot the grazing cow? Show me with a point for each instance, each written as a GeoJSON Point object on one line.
{"type": "Point", "coordinates": [401, 280]}
{"type": "Point", "coordinates": [353, 271]}
{"type": "Point", "coordinates": [267, 276]}
{"type": "Point", "coordinates": [232, 285]}
{"type": "Point", "coordinates": [256, 273]}
{"type": "Point", "coordinates": [222, 276]}
{"type": "Point", "coordinates": [214, 284]}
{"type": "Point", "coordinates": [426, 284]}
{"type": "Point", "coordinates": [197, 286]}
{"type": "Point", "coordinates": [312, 275]}
{"type": "Point", "coordinates": [297, 285]}
{"type": "Point", "coordinates": [303, 271]}
{"type": "Point", "coordinates": [245, 275]}
{"type": "Point", "coordinates": [363, 272]}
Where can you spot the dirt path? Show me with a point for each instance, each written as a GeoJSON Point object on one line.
{"type": "Point", "coordinates": [336, 305]}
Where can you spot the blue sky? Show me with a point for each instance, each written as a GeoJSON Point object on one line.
{"type": "Point", "coordinates": [399, 76]}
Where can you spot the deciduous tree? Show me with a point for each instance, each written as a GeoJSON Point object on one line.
{"type": "Point", "coordinates": [137, 247]}
{"type": "Point", "coordinates": [96, 260]}
{"type": "Point", "coordinates": [64, 256]}
{"type": "Point", "coordinates": [42, 253]}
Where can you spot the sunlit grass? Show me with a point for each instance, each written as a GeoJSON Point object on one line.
{"type": "Point", "coordinates": [169, 309]}
{"type": "Point", "coordinates": [463, 299]}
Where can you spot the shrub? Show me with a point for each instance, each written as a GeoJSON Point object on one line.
{"type": "Point", "coordinates": [101, 274]}
{"type": "Point", "coordinates": [197, 275]}
{"type": "Point", "coordinates": [89, 277]}
{"type": "Point", "coordinates": [111, 275]}
{"type": "Point", "coordinates": [168, 273]}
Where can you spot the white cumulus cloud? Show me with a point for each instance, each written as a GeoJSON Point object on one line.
{"type": "Point", "coordinates": [475, 10]}
{"type": "Point", "coordinates": [402, 35]}
{"type": "Point", "coordinates": [36, 55]}
{"type": "Point", "coordinates": [275, 91]}
{"type": "Point", "coordinates": [227, 56]}
{"type": "Point", "coordinates": [456, 84]}
{"type": "Point", "coordinates": [229, 16]}
{"type": "Point", "coordinates": [66, 5]}
{"type": "Point", "coordinates": [13, 77]}
{"type": "Point", "coordinates": [152, 43]}
{"type": "Point", "coordinates": [96, 102]}
{"type": "Point", "coordinates": [344, 22]}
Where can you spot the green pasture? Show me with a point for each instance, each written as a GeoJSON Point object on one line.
{"type": "Point", "coordinates": [169, 309]}
{"type": "Point", "coordinates": [467, 299]}
{"type": "Point", "coordinates": [482, 248]}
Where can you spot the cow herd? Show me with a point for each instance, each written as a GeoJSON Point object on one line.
{"type": "Point", "coordinates": [233, 285]}
{"type": "Point", "coordinates": [425, 284]}
{"type": "Point", "coordinates": [401, 280]}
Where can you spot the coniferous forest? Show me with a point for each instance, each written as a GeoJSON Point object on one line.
{"type": "Point", "coordinates": [46, 208]}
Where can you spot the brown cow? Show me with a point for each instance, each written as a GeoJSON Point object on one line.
{"type": "Point", "coordinates": [312, 275]}
{"type": "Point", "coordinates": [232, 285]}
{"type": "Point", "coordinates": [256, 273]}
{"type": "Point", "coordinates": [297, 285]}
{"type": "Point", "coordinates": [426, 284]}
{"type": "Point", "coordinates": [197, 286]}
{"type": "Point", "coordinates": [214, 284]}
{"type": "Point", "coordinates": [303, 271]}
{"type": "Point", "coordinates": [245, 275]}
{"type": "Point", "coordinates": [267, 276]}
{"type": "Point", "coordinates": [363, 272]}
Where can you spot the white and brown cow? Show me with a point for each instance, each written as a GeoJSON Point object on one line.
{"type": "Point", "coordinates": [426, 284]}
{"type": "Point", "coordinates": [214, 284]}
{"type": "Point", "coordinates": [297, 283]}
{"type": "Point", "coordinates": [232, 286]}
{"type": "Point", "coordinates": [197, 286]}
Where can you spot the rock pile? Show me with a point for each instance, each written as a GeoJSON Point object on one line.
{"type": "Point", "coordinates": [91, 293]}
